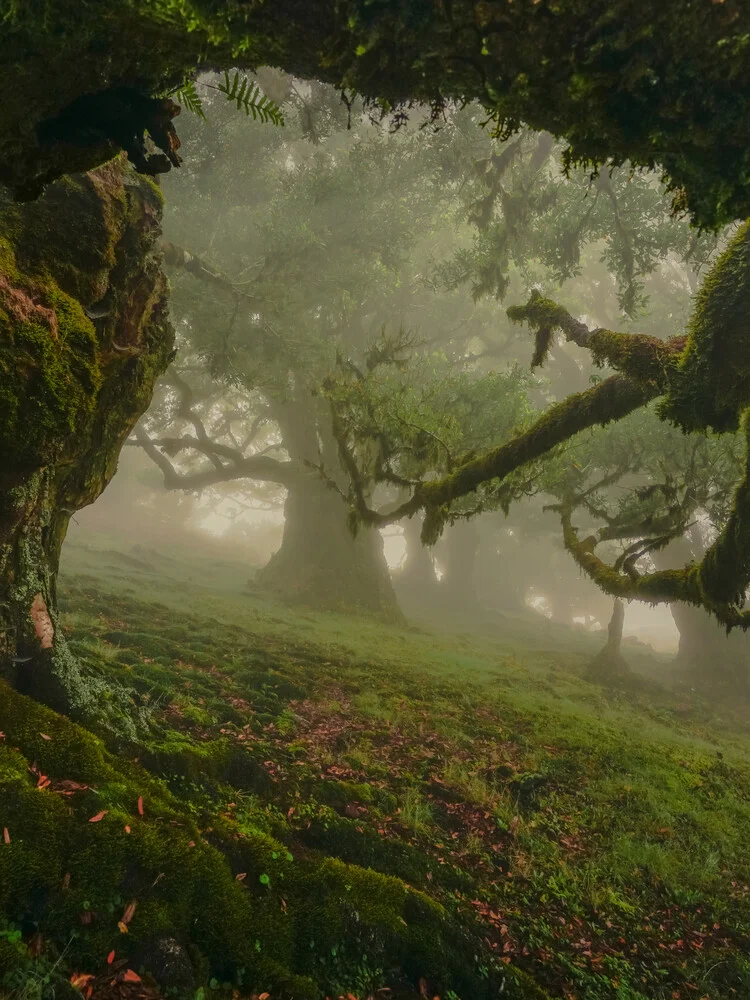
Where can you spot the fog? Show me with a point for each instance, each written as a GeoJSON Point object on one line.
{"type": "Point", "coordinates": [340, 283]}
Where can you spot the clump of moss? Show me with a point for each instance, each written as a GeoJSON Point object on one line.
{"type": "Point", "coordinates": [246, 907]}
{"type": "Point", "coordinates": [711, 386]}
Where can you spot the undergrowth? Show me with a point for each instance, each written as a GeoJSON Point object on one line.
{"type": "Point", "coordinates": [333, 807]}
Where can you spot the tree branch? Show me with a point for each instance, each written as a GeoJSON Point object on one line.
{"type": "Point", "coordinates": [259, 467]}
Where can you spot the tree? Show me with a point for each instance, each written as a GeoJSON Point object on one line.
{"type": "Point", "coordinates": [85, 334]}
{"type": "Point", "coordinates": [325, 230]}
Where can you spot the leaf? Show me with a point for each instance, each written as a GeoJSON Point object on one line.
{"type": "Point", "coordinates": [264, 880]}
{"type": "Point", "coordinates": [80, 979]}
{"type": "Point", "coordinates": [45, 737]}
{"type": "Point", "coordinates": [249, 98]}
{"type": "Point", "coordinates": [186, 95]}
{"type": "Point", "coordinates": [6, 835]}
{"type": "Point", "coordinates": [123, 927]}
{"type": "Point", "coordinates": [99, 816]}
{"type": "Point", "coordinates": [264, 996]}
{"type": "Point", "coordinates": [240, 877]}
{"type": "Point", "coordinates": [140, 805]}
{"type": "Point", "coordinates": [129, 911]}
{"type": "Point", "coordinates": [111, 957]}
{"type": "Point", "coordinates": [127, 828]}
{"type": "Point", "coordinates": [131, 977]}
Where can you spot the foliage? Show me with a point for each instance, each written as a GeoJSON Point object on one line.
{"type": "Point", "coordinates": [655, 87]}
{"type": "Point", "coordinates": [248, 98]}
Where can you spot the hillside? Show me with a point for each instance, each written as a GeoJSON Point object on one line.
{"type": "Point", "coordinates": [274, 803]}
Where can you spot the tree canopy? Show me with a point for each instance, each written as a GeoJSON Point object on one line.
{"type": "Point", "coordinates": [659, 86]}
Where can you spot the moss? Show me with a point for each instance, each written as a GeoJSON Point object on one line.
{"type": "Point", "coordinates": [58, 866]}
{"type": "Point", "coordinates": [712, 384]}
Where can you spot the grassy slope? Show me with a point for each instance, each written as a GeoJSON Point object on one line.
{"type": "Point", "coordinates": [596, 841]}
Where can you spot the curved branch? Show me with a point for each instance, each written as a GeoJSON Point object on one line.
{"type": "Point", "coordinates": [259, 467]}
{"type": "Point", "coordinates": [718, 583]}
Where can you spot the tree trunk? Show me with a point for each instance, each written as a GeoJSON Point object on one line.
{"type": "Point", "coordinates": [416, 578]}
{"type": "Point", "coordinates": [458, 556]}
{"type": "Point", "coordinates": [320, 563]}
{"type": "Point", "coordinates": [706, 654]}
{"type": "Point", "coordinates": [609, 664]}
{"type": "Point", "coordinates": [83, 335]}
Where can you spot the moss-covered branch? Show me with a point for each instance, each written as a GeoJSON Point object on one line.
{"type": "Point", "coordinates": [655, 85]}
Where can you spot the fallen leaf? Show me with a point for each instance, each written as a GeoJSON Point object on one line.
{"type": "Point", "coordinates": [45, 737]}
{"type": "Point", "coordinates": [81, 978]}
{"type": "Point", "coordinates": [140, 805]}
{"type": "Point", "coordinates": [129, 911]}
{"type": "Point", "coordinates": [6, 835]}
{"type": "Point", "coordinates": [100, 815]}
{"type": "Point", "coordinates": [264, 996]}
{"type": "Point", "coordinates": [240, 877]}
{"type": "Point", "coordinates": [127, 828]}
{"type": "Point", "coordinates": [111, 957]}
{"type": "Point", "coordinates": [131, 977]}
{"type": "Point", "coordinates": [123, 927]}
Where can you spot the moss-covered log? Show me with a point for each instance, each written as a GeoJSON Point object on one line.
{"type": "Point", "coordinates": [83, 335]}
{"type": "Point", "coordinates": [655, 84]}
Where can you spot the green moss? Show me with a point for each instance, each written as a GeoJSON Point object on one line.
{"type": "Point", "coordinates": [59, 865]}
{"type": "Point", "coordinates": [712, 384]}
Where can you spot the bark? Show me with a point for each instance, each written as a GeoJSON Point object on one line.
{"type": "Point", "coordinates": [320, 563]}
{"type": "Point", "coordinates": [609, 664]}
{"type": "Point", "coordinates": [83, 335]}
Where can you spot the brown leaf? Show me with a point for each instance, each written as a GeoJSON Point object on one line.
{"type": "Point", "coordinates": [111, 957]}
{"type": "Point", "coordinates": [140, 805]}
{"type": "Point", "coordinates": [123, 927]}
{"type": "Point", "coordinates": [131, 977]}
{"type": "Point", "coordinates": [6, 835]}
{"type": "Point", "coordinates": [45, 737]}
{"type": "Point", "coordinates": [127, 828]}
{"type": "Point", "coordinates": [129, 911]}
{"type": "Point", "coordinates": [99, 816]}
{"type": "Point", "coordinates": [240, 877]}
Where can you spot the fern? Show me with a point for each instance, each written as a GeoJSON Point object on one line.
{"type": "Point", "coordinates": [186, 95]}
{"type": "Point", "coordinates": [249, 97]}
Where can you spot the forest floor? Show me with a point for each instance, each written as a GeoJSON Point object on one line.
{"type": "Point", "coordinates": [542, 837]}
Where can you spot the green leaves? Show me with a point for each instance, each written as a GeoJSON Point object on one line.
{"type": "Point", "coordinates": [250, 98]}
{"type": "Point", "coordinates": [187, 96]}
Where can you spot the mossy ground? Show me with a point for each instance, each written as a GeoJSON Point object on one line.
{"type": "Point", "coordinates": [401, 803]}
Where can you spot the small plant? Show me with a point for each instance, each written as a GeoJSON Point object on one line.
{"type": "Point", "coordinates": [249, 97]}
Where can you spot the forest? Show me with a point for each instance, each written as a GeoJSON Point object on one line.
{"type": "Point", "coordinates": [374, 500]}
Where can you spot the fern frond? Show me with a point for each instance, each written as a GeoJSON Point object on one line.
{"type": "Point", "coordinates": [250, 98]}
{"type": "Point", "coordinates": [186, 95]}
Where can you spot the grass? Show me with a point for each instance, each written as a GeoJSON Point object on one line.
{"type": "Point", "coordinates": [595, 840]}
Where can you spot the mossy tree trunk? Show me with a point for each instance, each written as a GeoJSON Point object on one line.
{"type": "Point", "coordinates": [705, 654]}
{"type": "Point", "coordinates": [83, 335]}
{"type": "Point", "coordinates": [320, 563]}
